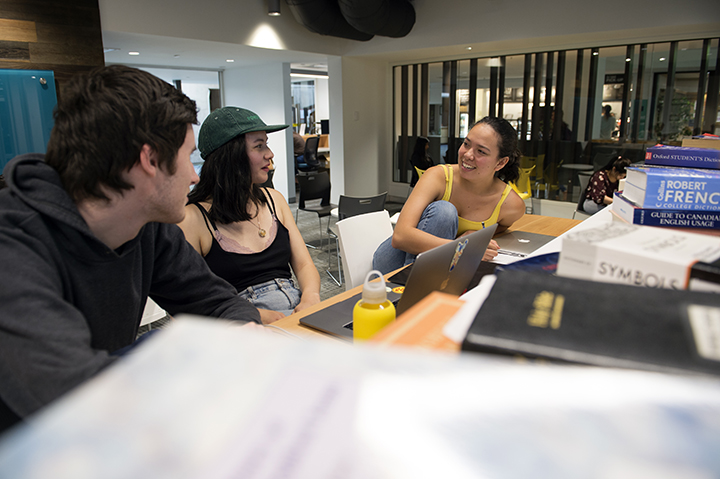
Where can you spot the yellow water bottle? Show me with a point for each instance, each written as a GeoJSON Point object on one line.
{"type": "Point", "coordinates": [374, 311]}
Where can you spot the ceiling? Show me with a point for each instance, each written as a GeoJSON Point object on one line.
{"type": "Point", "coordinates": [187, 54]}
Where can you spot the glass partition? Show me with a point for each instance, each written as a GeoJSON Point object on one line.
{"type": "Point", "coordinates": [572, 109]}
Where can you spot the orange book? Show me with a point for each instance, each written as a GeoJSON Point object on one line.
{"type": "Point", "coordinates": [421, 326]}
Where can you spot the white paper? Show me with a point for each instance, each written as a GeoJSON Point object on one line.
{"type": "Point", "coordinates": [457, 327]}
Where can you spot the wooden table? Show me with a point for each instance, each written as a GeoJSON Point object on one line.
{"type": "Point", "coordinates": [546, 225]}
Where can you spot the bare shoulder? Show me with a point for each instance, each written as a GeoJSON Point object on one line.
{"type": "Point", "coordinates": [512, 209]}
{"type": "Point", "coordinates": [277, 197]}
{"type": "Point", "coordinates": [281, 206]}
{"type": "Point", "coordinates": [193, 217]}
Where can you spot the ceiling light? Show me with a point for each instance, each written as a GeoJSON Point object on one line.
{"type": "Point", "coordinates": [133, 53]}
{"type": "Point", "coordinates": [662, 59]}
{"type": "Point", "coordinates": [469, 48]}
{"type": "Point", "coordinates": [230, 60]}
{"type": "Point", "coordinates": [274, 8]}
{"type": "Point", "coordinates": [309, 75]}
{"type": "Point", "coordinates": [627, 59]}
{"type": "Point", "coordinates": [596, 53]}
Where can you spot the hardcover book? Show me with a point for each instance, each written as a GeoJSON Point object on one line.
{"type": "Point", "coordinates": [702, 142]}
{"type": "Point", "coordinates": [600, 324]}
{"type": "Point", "coordinates": [632, 213]}
{"type": "Point", "coordinates": [673, 188]}
{"type": "Point", "coordinates": [635, 255]}
{"type": "Point", "coordinates": [683, 156]}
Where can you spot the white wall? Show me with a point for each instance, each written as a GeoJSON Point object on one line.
{"type": "Point", "coordinates": [366, 126]}
{"type": "Point", "coordinates": [322, 100]}
{"type": "Point", "coordinates": [337, 128]}
{"type": "Point", "coordinates": [266, 91]}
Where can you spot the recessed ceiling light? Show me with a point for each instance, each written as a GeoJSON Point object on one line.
{"type": "Point", "coordinates": [469, 48]}
{"type": "Point", "coordinates": [133, 53]}
{"type": "Point", "coordinates": [596, 53]}
{"type": "Point", "coordinates": [627, 59]}
{"type": "Point", "coordinates": [230, 60]}
{"type": "Point", "coordinates": [662, 59]}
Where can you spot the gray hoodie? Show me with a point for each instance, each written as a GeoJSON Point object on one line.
{"type": "Point", "coordinates": [67, 300]}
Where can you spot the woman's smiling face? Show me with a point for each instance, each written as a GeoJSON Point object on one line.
{"type": "Point", "coordinates": [479, 153]}
{"type": "Point", "coordinates": [260, 155]}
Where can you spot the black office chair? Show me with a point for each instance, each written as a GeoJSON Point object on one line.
{"type": "Point", "coordinates": [584, 179]}
{"type": "Point", "coordinates": [310, 161]}
{"type": "Point", "coordinates": [315, 186]}
{"type": "Point", "coordinates": [357, 205]}
{"type": "Point", "coordinates": [352, 206]}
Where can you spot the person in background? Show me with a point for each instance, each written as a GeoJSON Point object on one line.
{"type": "Point", "coordinates": [452, 200]}
{"type": "Point", "coordinates": [246, 234]}
{"type": "Point", "coordinates": [607, 123]}
{"type": "Point", "coordinates": [420, 159]}
{"type": "Point", "coordinates": [88, 233]}
{"type": "Point", "coordinates": [603, 184]}
{"type": "Point", "coordinates": [298, 147]}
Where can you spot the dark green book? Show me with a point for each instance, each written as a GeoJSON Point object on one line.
{"type": "Point", "coordinates": [601, 324]}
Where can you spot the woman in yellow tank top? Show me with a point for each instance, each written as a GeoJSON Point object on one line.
{"type": "Point", "coordinates": [452, 200]}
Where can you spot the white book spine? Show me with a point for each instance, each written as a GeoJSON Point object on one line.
{"type": "Point", "coordinates": [635, 255]}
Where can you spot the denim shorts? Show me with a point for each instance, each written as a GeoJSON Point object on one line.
{"type": "Point", "coordinates": [275, 295]}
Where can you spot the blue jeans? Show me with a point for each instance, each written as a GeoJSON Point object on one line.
{"type": "Point", "coordinates": [591, 207]}
{"type": "Point", "coordinates": [276, 295]}
{"type": "Point", "coordinates": [440, 219]}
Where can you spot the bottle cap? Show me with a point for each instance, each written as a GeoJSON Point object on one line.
{"type": "Point", "coordinates": [374, 292]}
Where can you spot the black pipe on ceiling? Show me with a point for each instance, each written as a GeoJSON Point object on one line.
{"type": "Point", "coordinates": [324, 17]}
{"type": "Point", "coordinates": [388, 18]}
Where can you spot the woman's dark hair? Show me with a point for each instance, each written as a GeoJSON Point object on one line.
{"type": "Point", "coordinates": [226, 179]}
{"type": "Point", "coordinates": [507, 146]}
{"type": "Point", "coordinates": [619, 163]}
{"type": "Point", "coordinates": [102, 121]}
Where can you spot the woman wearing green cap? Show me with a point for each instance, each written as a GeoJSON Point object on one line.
{"type": "Point", "coordinates": [247, 234]}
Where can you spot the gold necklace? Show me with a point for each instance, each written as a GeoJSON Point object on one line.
{"type": "Point", "coordinates": [261, 231]}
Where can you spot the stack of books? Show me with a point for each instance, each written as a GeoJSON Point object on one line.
{"type": "Point", "coordinates": [678, 187]}
{"type": "Point", "coordinates": [624, 296]}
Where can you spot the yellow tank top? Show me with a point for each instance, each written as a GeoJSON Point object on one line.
{"type": "Point", "coordinates": [467, 225]}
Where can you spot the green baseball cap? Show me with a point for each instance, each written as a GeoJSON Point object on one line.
{"type": "Point", "coordinates": [224, 124]}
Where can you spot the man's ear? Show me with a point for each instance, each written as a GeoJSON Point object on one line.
{"type": "Point", "coordinates": [148, 160]}
{"type": "Point", "coordinates": [501, 164]}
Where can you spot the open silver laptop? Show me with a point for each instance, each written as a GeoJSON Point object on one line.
{"type": "Point", "coordinates": [519, 244]}
{"type": "Point", "coordinates": [448, 268]}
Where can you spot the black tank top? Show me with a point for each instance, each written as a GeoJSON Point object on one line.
{"type": "Point", "coordinates": [243, 270]}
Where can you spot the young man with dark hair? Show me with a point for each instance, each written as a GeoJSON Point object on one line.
{"type": "Point", "coordinates": [87, 234]}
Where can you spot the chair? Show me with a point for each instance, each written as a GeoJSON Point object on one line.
{"type": "Point", "coordinates": [313, 186]}
{"type": "Point", "coordinates": [584, 179]}
{"type": "Point", "coordinates": [523, 187]}
{"type": "Point", "coordinates": [349, 206]}
{"type": "Point", "coordinates": [310, 159]}
{"type": "Point", "coordinates": [359, 236]}
{"type": "Point", "coordinates": [357, 205]}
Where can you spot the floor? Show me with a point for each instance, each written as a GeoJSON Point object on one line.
{"type": "Point", "coordinates": [310, 229]}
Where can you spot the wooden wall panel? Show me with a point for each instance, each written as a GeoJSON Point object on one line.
{"type": "Point", "coordinates": [63, 36]}
{"type": "Point", "coordinates": [17, 30]}
{"type": "Point", "coordinates": [17, 51]}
